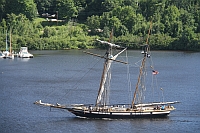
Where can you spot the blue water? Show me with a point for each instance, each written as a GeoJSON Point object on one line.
{"type": "Point", "coordinates": [52, 77]}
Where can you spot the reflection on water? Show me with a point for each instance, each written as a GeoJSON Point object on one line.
{"type": "Point", "coordinates": [52, 77]}
{"type": "Point", "coordinates": [23, 59]}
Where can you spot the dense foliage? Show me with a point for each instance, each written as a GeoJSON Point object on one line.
{"type": "Point", "coordinates": [66, 24]}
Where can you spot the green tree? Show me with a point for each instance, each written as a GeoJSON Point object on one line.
{"type": "Point", "coordinates": [2, 9]}
{"type": "Point", "coordinates": [187, 19]}
{"type": "Point", "coordinates": [45, 6]}
{"type": "Point", "coordinates": [3, 25]}
{"type": "Point", "coordinates": [94, 23]}
{"type": "Point", "coordinates": [19, 24]}
{"type": "Point", "coordinates": [187, 36]}
{"type": "Point", "coordinates": [66, 9]}
{"type": "Point", "coordinates": [171, 21]}
{"type": "Point", "coordinates": [26, 7]}
{"type": "Point", "coordinates": [49, 32]}
{"type": "Point", "coordinates": [109, 5]}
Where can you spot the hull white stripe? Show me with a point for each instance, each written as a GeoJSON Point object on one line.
{"type": "Point", "coordinates": [130, 113]}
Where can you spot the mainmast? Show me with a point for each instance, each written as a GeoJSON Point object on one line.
{"type": "Point", "coordinates": [142, 67]}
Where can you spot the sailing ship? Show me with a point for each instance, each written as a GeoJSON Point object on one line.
{"type": "Point", "coordinates": [135, 109]}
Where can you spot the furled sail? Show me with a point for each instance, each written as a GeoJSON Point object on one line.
{"type": "Point", "coordinates": [106, 69]}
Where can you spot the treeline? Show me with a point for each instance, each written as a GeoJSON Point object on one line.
{"type": "Point", "coordinates": [67, 24]}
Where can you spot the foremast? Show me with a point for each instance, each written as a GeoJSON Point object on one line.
{"type": "Point", "coordinates": [109, 58]}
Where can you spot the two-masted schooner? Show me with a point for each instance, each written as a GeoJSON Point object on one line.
{"type": "Point", "coordinates": [127, 111]}
{"type": "Point", "coordinates": [102, 109]}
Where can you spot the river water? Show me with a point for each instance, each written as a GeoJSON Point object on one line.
{"type": "Point", "coordinates": [72, 76]}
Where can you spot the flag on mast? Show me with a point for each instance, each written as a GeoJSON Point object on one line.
{"type": "Point", "coordinates": [154, 72]}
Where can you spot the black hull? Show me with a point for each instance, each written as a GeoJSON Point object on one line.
{"type": "Point", "coordinates": [114, 115]}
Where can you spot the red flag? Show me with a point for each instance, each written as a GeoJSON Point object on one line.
{"type": "Point", "coordinates": [154, 72]}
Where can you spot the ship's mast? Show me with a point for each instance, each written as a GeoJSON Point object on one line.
{"type": "Point", "coordinates": [142, 67]}
{"type": "Point", "coordinates": [103, 77]}
{"type": "Point", "coordinates": [107, 65]}
{"type": "Point", "coordinates": [10, 43]}
{"type": "Point", "coordinates": [6, 41]}
{"type": "Point", "coordinates": [104, 74]}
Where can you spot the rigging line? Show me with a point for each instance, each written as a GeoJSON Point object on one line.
{"type": "Point", "coordinates": [128, 78]}
{"type": "Point", "coordinates": [152, 87]}
{"type": "Point", "coordinates": [107, 89]}
{"type": "Point", "coordinates": [78, 82]}
{"type": "Point", "coordinates": [66, 80]}
{"type": "Point", "coordinates": [109, 84]}
{"type": "Point", "coordinates": [154, 78]}
{"type": "Point", "coordinates": [155, 86]}
{"type": "Point", "coordinates": [144, 85]}
{"type": "Point", "coordinates": [131, 65]}
{"type": "Point", "coordinates": [136, 64]}
{"type": "Point", "coordinates": [151, 60]}
{"type": "Point", "coordinates": [105, 94]}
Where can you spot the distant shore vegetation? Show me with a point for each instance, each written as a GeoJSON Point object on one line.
{"type": "Point", "coordinates": [76, 24]}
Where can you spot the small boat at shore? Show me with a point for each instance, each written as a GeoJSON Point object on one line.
{"type": "Point", "coordinates": [2, 55]}
{"type": "Point", "coordinates": [24, 53]}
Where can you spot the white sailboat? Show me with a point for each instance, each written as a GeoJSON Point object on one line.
{"type": "Point", "coordinates": [6, 52]}
{"type": "Point", "coordinates": [9, 54]}
{"type": "Point", "coordinates": [2, 55]}
{"type": "Point", "coordinates": [102, 109]}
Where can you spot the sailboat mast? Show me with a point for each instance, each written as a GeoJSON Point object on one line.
{"type": "Point", "coordinates": [6, 41]}
{"type": "Point", "coordinates": [103, 77]}
{"type": "Point", "coordinates": [146, 49]}
{"type": "Point", "coordinates": [138, 82]}
{"type": "Point", "coordinates": [102, 97]}
{"type": "Point", "coordinates": [10, 44]}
